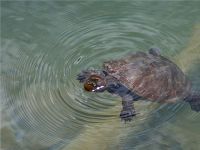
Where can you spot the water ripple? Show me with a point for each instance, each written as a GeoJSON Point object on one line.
{"type": "Point", "coordinates": [44, 96]}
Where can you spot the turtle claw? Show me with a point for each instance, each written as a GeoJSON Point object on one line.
{"type": "Point", "coordinates": [127, 114]}
{"type": "Point", "coordinates": [83, 76]}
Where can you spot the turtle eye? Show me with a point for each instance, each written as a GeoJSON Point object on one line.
{"type": "Point", "coordinates": [95, 78]}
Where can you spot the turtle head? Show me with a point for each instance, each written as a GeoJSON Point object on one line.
{"type": "Point", "coordinates": [94, 81]}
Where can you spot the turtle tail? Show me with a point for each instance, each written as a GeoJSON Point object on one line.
{"type": "Point", "coordinates": [194, 101]}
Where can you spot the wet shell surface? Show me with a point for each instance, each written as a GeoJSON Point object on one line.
{"type": "Point", "coordinates": [151, 76]}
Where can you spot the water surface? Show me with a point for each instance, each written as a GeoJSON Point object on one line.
{"type": "Point", "coordinates": [44, 45]}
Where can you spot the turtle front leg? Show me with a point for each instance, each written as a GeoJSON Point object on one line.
{"type": "Point", "coordinates": [128, 97]}
{"type": "Point", "coordinates": [128, 110]}
{"type": "Point", "coordinates": [83, 76]}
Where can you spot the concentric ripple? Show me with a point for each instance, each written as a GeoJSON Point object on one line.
{"type": "Point", "coordinates": [43, 97]}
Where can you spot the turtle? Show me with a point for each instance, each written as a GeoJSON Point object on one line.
{"type": "Point", "coordinates": [141, 76]}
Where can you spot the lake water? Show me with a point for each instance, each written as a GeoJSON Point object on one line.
{"type": "Point", "coordinates": [44, 45]}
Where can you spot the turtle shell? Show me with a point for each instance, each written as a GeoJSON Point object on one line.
{"type": "Point", "coordinates": [151, 76]}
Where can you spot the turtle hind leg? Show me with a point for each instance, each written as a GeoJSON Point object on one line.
{"type": "Point", "coordinates": [194, 101]}
{"type": "Point", "coordinates": [154, 51]}
{"type": "Point", "coordinates": [195, 105]}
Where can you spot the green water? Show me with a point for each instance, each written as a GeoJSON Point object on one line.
{"type": "Point", "coordinates": [44, 45]}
